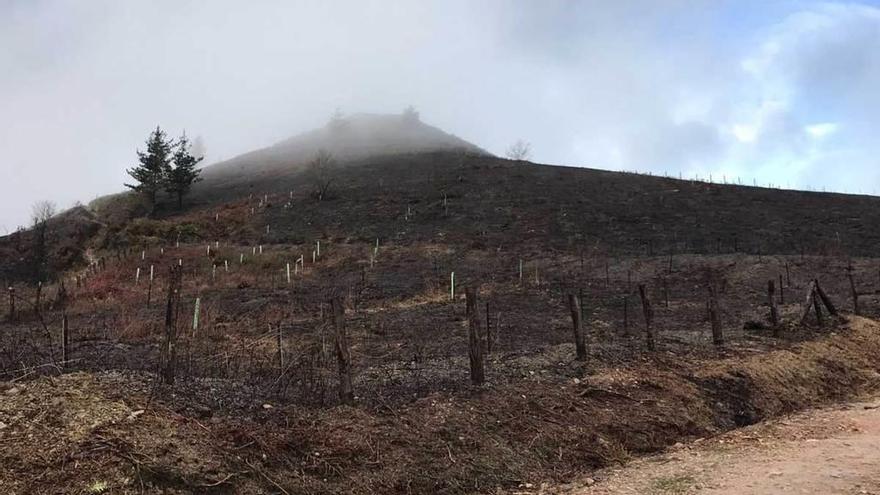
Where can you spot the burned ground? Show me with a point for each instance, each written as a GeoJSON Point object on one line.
{"type": "Point", "coordinates": [246, 418]}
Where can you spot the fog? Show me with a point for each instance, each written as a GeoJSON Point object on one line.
{"type": "Point", "coordinates": [776, 92]}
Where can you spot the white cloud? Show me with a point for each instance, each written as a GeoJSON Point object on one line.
{"type": "Point", "coordinates": [819, 131]}
{"type": "Point", "coordinates": [745, 133]}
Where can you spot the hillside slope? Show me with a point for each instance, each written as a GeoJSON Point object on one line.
{"type": "Point", "coordinates": [486, 201]}
{"type": "Point", "coordinates": [67, 234]}
{"type": "Point", "coordinates": [465, 197]}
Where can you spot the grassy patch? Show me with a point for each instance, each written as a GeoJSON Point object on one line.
{"type": "Point", "coordinates": [672, 484]}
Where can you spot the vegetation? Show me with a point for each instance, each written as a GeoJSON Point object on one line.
{"type": "Point", "coordinates": [155, 171]}
{"type": "Point", "coordinates": [41, 213]}
{"type": "Point", "coordinates": [321, 171]}
{"type": "Point", "coordinates": [184, 173]}
{"type": "Point", "coordinates": [152, 171]}
{"type": "Point", "coordinates": [520, 150]}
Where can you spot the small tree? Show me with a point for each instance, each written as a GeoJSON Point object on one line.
{"type": "Point", "coordinates": [153, 167]}
{"type": "Point", "coordinates": [410, 115]}
{"type": "Point", "coordinates": [41, 212]}
{"type": "Point", "coordinates": [519, 150]}
{"type": "Point", "coordinates": [321, 171]}
{"type": "Point", "coordinates": [337, 122]}
{"type": "Point", "coordinates": [184, 173]}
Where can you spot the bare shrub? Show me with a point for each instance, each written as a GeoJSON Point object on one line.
{"type": "Point", "coordinates": [321, 172]}
{"type": "Point", "coordinates": [520, 150]}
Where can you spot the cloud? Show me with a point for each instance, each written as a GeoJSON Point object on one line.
{"type": "Point", "coordinates": [748, 89]}
{"type": "Point", "coordinates": [807, 99]}
{"type": "Point", "coordinates": [820, 131]}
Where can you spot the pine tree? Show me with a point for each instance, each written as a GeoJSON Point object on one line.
{"type": "Point", "coordinates": [184, 174]}
{"type": "Point", "coordinates": [154, 166]}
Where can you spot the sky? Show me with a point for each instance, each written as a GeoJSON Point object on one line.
{"type": "Point", "coordinates": [760, 91]}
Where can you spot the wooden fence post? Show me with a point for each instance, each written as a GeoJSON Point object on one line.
{"type": "Point", "coordinates": [150, 287]}
{"type": "Point", "coordinates": [488, 329]}
{"type": "Point", "coordinates": [61, 297]}
{"type": "Point", "coordinates": [11, 291]}
{"type": "Point", "coordinates": [196, 310]}
{"type": "Point", "coordinates": [169, 349]}
{"type": "Point", "coordinates": [852, 288]}
{"type": "Point", "coordinates": [666, 292]}
{"type": "Point", "coordinates": [475, 344]}
{"type": "Point", "coordinates": [65, 339]}
{"type": "Point", "coordinates": [581, 303]}
{"type": "Point", "coordinates": [649, 316]}
{"type": "Point", "coordinates": [580, 346]}
{"type": "Point", "coordinates": [774, 312]}
{"type": "Point", "coordinates": [280, 351]}
{"type": "Point", "coordinates": [824, 297]}
{"type": "Point", "coordinates": [39, 297]}
{"type": "Point", "coordinates": [626, 314]}
{"type": "Point", "coordinates": [343, 353]}
{"type": "Point", "coordinates": [808, 302]}
{"type": "Point", "coordinates": [817, 306]}
{"type": "Point", "coordinates": [781, 291]}
{"type": "Point", "coordinates": [714, 317]}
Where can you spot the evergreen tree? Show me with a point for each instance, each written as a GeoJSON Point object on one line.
{"type": "Point", "coordinates": [184, 174]}
{"type": "Point", "coordinates": [154, 166]}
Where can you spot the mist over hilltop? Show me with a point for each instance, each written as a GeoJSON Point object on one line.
{"type": "Point", "coordinates": [360, 135]}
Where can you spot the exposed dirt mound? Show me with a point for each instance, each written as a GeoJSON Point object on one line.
{"type": "Point", "coordinates": [79, 433]}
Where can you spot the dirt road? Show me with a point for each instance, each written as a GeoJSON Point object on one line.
{"type": "Point", "coordinates": [835, 450]}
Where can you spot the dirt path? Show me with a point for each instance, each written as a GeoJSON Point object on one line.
{"type": "Point", "coordinates": [835, 450]}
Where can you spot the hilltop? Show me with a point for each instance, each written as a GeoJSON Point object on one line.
{"type": "Point", "coordinates": [359, 136]}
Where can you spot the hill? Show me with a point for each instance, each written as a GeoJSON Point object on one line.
{"type": "Point", "coordinates": [647, 265]}
{"type": "Point", "coordinates": [491, 202]}
{"type": "Point", "coordinates": [481, 201]}
{"type": "Point", "coordinates": [347, 138]}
